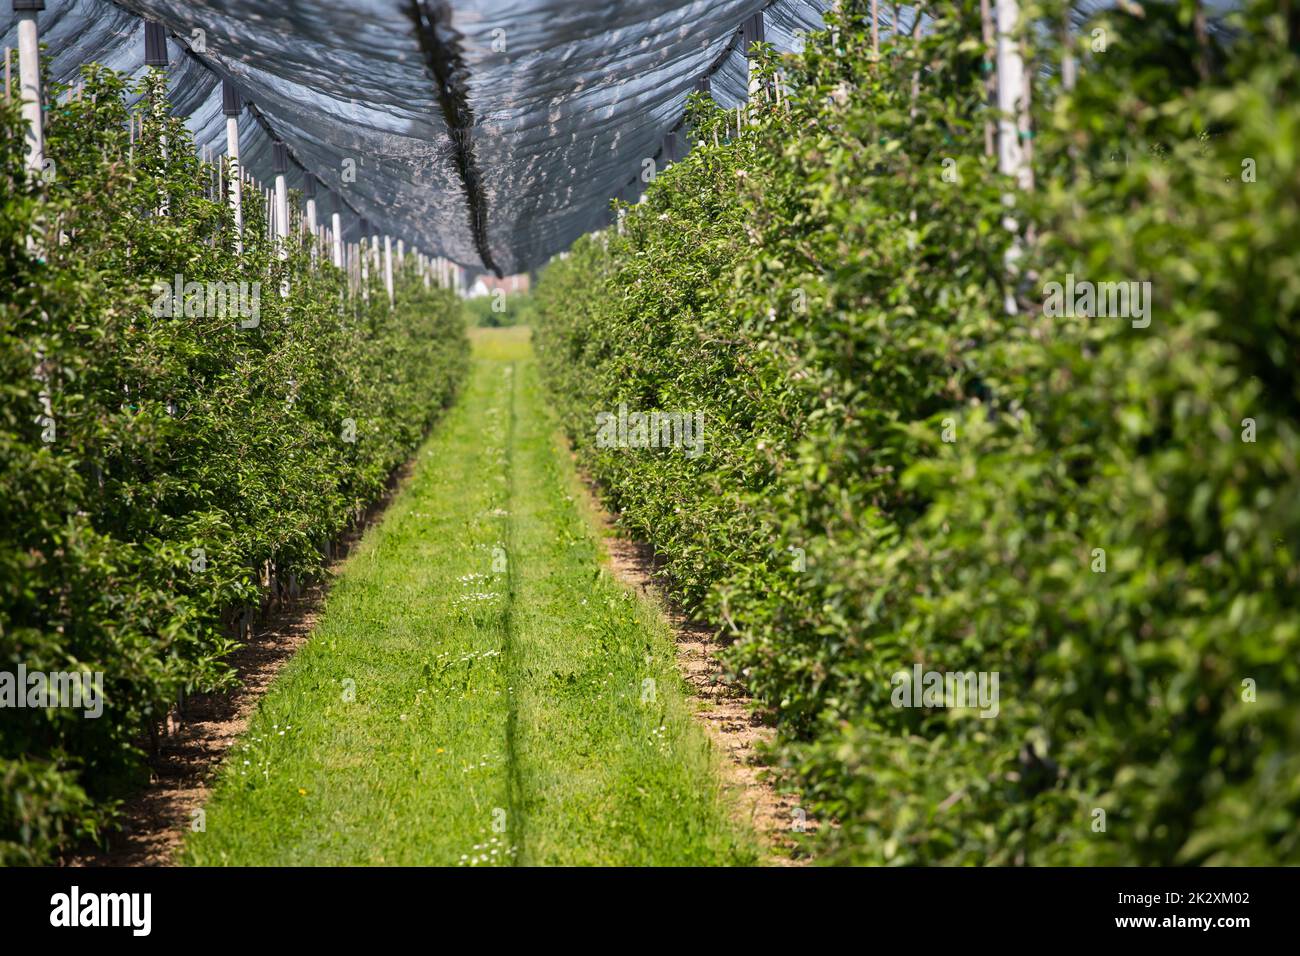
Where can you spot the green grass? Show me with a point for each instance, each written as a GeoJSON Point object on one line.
{"type": "Point", "coordinates": [503, 711]}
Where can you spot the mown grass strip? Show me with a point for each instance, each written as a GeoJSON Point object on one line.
{"type": "Point", "coordinates": [479, 691]}
{"type": "Point", "coordinates": [614, 768]}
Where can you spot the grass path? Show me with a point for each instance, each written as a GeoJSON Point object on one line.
{"type": "Point", "coordinates": [479, 690]}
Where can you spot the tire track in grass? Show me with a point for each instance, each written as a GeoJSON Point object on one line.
{"type": "Point", "coordinates": [516, 821]}
{"type": "Point", "coordinates": [496, 713]}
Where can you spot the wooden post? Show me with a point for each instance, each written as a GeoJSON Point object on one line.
{"type": "Point", "coordinates": [337, 222]}
{"type": "Point", "coordinates": [29, 81]}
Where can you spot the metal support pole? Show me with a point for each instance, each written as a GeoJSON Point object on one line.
{"type": "Point", "coordinates": [388, 270]}
{"type": "Point", "coordinates": [1012, 102]}
{"type": "Point", "coordinates": [989, 35]}
{"type": "Point", "coordinates": [309, 192]}
{"type": "Point", "coordinates": [280, 198]}
{"type": "Point", "coordinates": [364, 254]}
{"type": "Point", "coordinates": [365, 270]}
{"type": "Point", "coordinates": [752, 32]}
{"type": "Point", "coordinates": [280, 155]}
{"type": "Point", "coordinates": [1011, 95]}
{"type": "Point", "coordinates": [231, 107]}
{"type": "Point", "coordinates": [155, 58]}
{"type": "Point", "coordinates": [29, 80]}
{"type": "Point", "coordinates": [1069, 67]}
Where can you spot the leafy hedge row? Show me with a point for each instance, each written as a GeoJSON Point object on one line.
{"type": "Point", "coordinates": [154, 469]}
{"type": "Point", "coordinates": [896, 472]}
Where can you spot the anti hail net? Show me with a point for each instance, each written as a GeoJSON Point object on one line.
{"type": "Point", "coordinates": [492, 132]}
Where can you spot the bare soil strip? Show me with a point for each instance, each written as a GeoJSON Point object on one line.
{"type": "Point", "coordinates": [726, 710]}
{"type": "Point", "coordinates": [156, 818]}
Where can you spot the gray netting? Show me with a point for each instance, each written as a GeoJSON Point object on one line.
{"type": "Point", "coordinates": [488, 131]}
{"type": "Point", "coordinates": [495, 129]}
